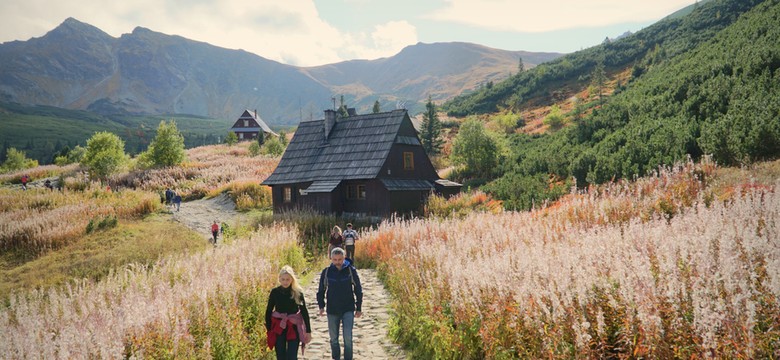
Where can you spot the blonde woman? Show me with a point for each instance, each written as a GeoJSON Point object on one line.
{"type": "Point", "coordinates": [286, 317]}
{"type": "Point", "coordinates": [336, 240]}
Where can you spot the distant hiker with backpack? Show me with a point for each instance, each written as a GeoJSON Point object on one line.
{"type": "Point", "coordinates": [350, 236]}
{"type": "Point", "coordinates": [177, 201]}
{"type": "Point", "coordinates": [215, 231]}
{"type": "Point", "coordinates": [25, 179]}
{"type": "Point", "coordinates": [341, 291]}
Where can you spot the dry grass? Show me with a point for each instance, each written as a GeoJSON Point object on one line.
{"type": "Point", "coordinates": [94, 256]}
{"type": "Point", "coordinates": [209, 170]}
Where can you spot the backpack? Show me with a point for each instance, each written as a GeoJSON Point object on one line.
{"type": "Point", "coordinates": [325, 277]}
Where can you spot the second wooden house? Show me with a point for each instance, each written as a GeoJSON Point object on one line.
{"type": "Point", "coordinates": [370, 164]}
{"type": "Point", "coordinates": [249, 126]}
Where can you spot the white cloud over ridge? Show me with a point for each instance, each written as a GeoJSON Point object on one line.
{"type": "Point", "coordinates": [291, 32]}
{"type": "Point", "coordinates": [294, 32]}
{"type": "Point", "coordinates": [552, 15]}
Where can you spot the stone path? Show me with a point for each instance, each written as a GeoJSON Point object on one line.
{"type": "Point", "coordinates": [370, 340]}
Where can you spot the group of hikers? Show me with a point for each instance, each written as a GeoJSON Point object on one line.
{"type": "Point", "coordinates": [345, 240]}
{"type": "Point", "coordinates": [339, 297]}
{"type": "Point", "coordinates": [172, 199]}
{"type": "Point", "coordinates": [26, 179]}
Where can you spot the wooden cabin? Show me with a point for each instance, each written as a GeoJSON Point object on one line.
{"type": "Point", "coordinates": [249, 125]}
{"type": "Point", "coordinates": [372, 164]}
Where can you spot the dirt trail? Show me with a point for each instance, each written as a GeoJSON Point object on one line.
{"type": "Point", "coordinates": [200, 214]}
{"type": "Point", "coordinates": [370, 340]}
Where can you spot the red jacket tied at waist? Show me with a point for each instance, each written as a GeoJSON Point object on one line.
{"type": "Point", "coordinates": [279, 326]}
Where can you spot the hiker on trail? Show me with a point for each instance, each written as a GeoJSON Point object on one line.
{"type": "Point", "coordinates": [48, 185]}
{"type": "Point", "coordinates": [286, 317]}
{"type": "Point", "coordinates": [340, 289]}
{"type": "Point", "coordinates": [350, 236]}
{"type": "Point", "coordinates": [25, 179]}
{"type": "Point", "coordinates": [177, 201]}
{"type": "Point", "coordinates": [336, 240]}
{"type": "Point", "coordinates": [168, 196]}
{"type": "Point", "coordinates": [215, 231]}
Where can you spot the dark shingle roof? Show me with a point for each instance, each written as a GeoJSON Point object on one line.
{"type": "Point", "coordinates": [356, 149]}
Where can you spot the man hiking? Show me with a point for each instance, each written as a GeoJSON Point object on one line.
{"type": "Point", "coordinates": [341, 291]}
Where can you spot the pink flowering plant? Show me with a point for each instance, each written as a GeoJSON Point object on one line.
{"type": "Point", "coordinates": [606, 273]}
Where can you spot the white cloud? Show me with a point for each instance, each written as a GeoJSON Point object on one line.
{"type": "Point", "coordinates": [551, 15]}
{"type": "Point", "coordinates": [290, 31]}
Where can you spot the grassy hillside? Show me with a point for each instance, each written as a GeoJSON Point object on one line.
{"type": "Point", "coordinates": [42, 131]}
{"type": "Point", "coordinates": [562, 77]}
{"type": "Point", "coordinates": [719, 97]}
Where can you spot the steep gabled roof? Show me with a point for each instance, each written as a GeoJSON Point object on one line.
{"type": "Point", "coordinates": [356, 148]}
{"type": "Point", "coordinates": [249, 115]}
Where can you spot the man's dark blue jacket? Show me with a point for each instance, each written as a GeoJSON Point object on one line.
{"type": "Point", "coordinates": [341, 297]}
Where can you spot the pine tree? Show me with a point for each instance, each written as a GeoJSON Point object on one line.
{"type": "Point", "coordinates": [343, 109]}
{"type": "Point", "coordinates": [376, 109]}
{"type": "Point", "coordinates": [599, 79]}
{"type": "Point", "coordinates": [430, 134]}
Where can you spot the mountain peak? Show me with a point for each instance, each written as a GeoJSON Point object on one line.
{"type": "Point", "coordinates": [72, 26]}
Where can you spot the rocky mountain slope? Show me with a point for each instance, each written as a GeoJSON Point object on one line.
{"type": "Point", "coordinates": [78, 66]}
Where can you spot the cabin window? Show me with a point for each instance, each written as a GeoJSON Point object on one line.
{"type": "Point", "coordinates": [246, 123]}
{"type": "Point", "coordinates": [287, 194]}
{"type": "Point", "coordinates": [356, 192]}
{"type": "Point", "coordinates": [408, 160]}
{"type": "Point", "coordinates": [240, 135]}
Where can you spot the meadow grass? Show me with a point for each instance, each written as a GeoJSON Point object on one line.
{"type": "Point", "coordinates": [38, 220]}
{"type": "Point", "coordinates": [207, 171]}
{"type": "Point", "coordinates": [94, 256]}
{"type": "Point", "coordinates": [207, 304]}
{"type": "Point", "coordinates": [658, 268]}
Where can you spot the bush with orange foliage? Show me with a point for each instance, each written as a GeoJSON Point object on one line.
{"type": "Point", "coordinates": [461, 205]}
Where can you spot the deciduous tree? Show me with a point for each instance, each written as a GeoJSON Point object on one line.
{"type": "Point", "coordinates": [231, 138]}
{"type": "Point", "coordinates": [105, 154]}
{"type": "Point", "coordinates": [167, 147]}
{"type": "Point", "coordinates": [17, 160]}
{"type": "Point", "coordinates": [475, 149]}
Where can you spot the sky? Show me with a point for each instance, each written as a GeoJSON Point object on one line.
{"type": "Point", "coordinates": [317, 32]}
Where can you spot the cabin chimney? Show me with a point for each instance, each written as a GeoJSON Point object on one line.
{"type": "Point", "coordinates": [351, 112]}
{"type": "Point", "coordinates": [255, 113]}
{"type": "Point", "coordinates": [329, 122]}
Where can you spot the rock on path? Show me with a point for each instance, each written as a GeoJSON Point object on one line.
{"type": "Point", "coordinates": [369, 336]}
